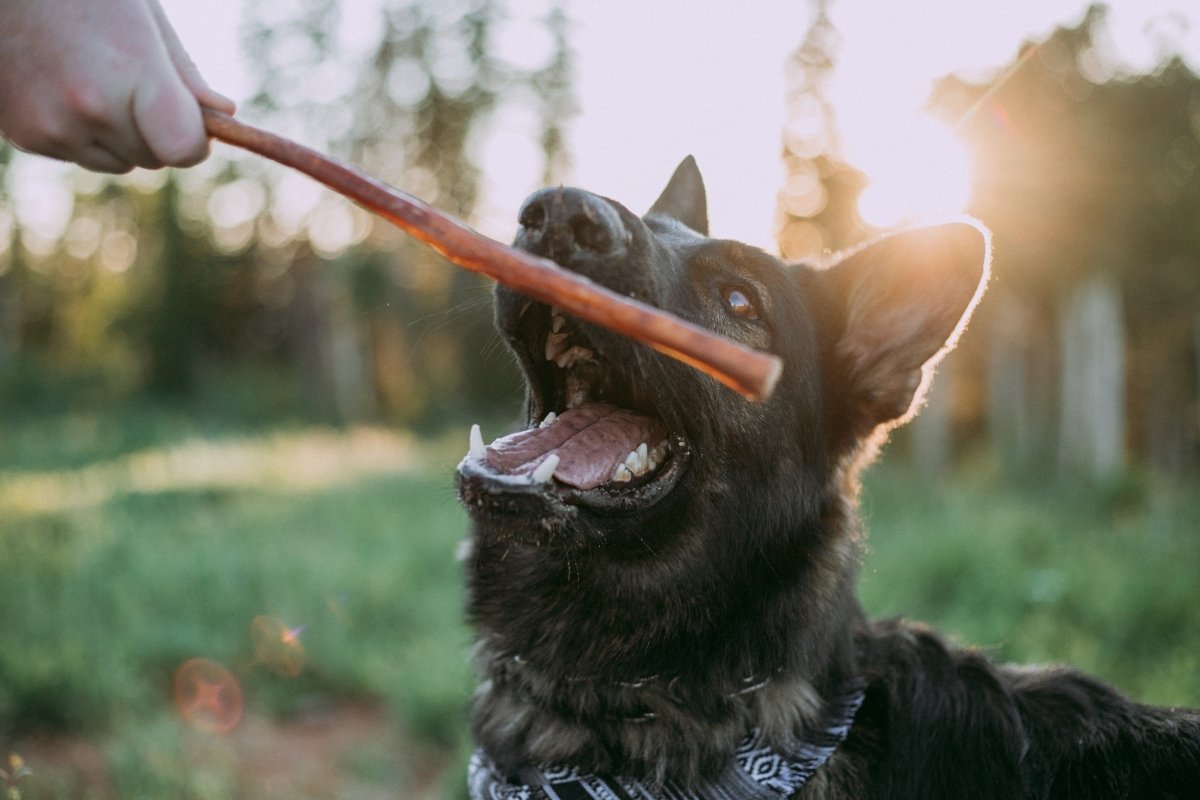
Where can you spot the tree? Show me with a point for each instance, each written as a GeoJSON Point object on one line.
{"type": "Point", "coordinates": [1088, 178]}
{"type": "Point", "coordinates": [817, 212]}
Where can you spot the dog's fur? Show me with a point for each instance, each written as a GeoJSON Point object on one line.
{"type": "Point", "coordinates": [617, 627]}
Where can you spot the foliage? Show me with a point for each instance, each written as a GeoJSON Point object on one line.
{"type": "Point", "coordinates": [1083, 169]}
{"type": "Point", "coordinates": [156, 283]}
{"type": "Point", "coordinates": [1099, 578]}
{"type": "Point", "coordinates": [119, 563]}
{"type": "Point", "coordinates": [116, 590]}
{"type": "Point", "coordinates": [817, 211]}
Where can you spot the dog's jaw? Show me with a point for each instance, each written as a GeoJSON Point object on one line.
{"type": "Point", "coordinates": [594, 439]}
{"type": "Point", "coordinates": [591, 656]}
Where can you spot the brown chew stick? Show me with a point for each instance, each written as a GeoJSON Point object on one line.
{"type": "Point", "coordinates": [747, 371]}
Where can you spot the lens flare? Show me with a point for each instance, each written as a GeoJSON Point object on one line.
{"type": "Point", "coordinates": [917, 171]}
{"type": "Point", "coordinates": [207, 696]}
{"type": "Point", "coordinates": [277, 647]}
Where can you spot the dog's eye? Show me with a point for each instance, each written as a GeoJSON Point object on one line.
{"type": "Point", "coordinates": [740, 302]}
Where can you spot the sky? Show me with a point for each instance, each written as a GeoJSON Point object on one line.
{"type": "Point", "coordinates": [657, 81]}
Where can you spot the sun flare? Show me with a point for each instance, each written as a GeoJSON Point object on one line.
{"type": "Point", "coordinates": [917, 171]}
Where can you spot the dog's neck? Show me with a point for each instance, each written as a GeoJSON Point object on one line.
{"type": "Point", "coordinates": [579, 672]}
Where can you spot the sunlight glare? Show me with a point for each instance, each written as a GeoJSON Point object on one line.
{"type": "Point", "coordinates": [917, 172]}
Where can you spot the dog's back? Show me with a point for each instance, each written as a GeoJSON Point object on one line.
{"type": "Point", "coordinates": [662, 574]}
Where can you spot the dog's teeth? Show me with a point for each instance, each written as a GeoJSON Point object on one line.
{"type": "Point", "coordinates": [633, 462]}
{"type": "Point", "coordinates": [622, 474]}
{"type": "Point", "coordinates": [545, 470]}
{"type": "Point", "coordinates": [478, 451]}
{"type": "Point", "coordinates": [657, 454]}
{"type": "Point", "coordinates": [643, 451]}
{"type": "Point", "coordinates": [556, 344]}
{"type": "Point", "coordinates": [572, 356]}
{"type": "Point", "coordinates": [549, 420]}
{"type": "Point", "coordinates": [557, 322]}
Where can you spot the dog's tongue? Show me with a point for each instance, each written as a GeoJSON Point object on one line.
{"type": "Point", "coordinates": [590, 441]}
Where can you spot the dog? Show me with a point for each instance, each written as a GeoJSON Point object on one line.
{"type": "Point", "coordinates": [661, 574]}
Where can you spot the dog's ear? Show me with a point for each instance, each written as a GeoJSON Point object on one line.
{"type": "Point", "coordinates": [899, 305]}
{"type": "Point", "coordinates": [684, 198]}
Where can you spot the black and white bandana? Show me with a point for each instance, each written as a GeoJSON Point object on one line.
{"type": "Point", "coordinates": [758, 771]}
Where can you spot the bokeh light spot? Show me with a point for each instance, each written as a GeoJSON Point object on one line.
{"type": "Point", "coordinates": [277, 647]}
{"type": "Point", "coordinates": [208, 696]}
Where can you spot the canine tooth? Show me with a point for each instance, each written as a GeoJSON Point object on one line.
{"type": "Point", "coordinates": [622, 474]}
{"type": "Point", "coordinates": [557, 322]}
{"type": "Point", "coordinates": [478, 450]}
{"type": "Point", "coordinates": [632, 461]}
{"type": "Point", "coordinates": [556, 344]}
{"type": "Point", "coordinates": [643, 450]}
{"type": "Point", "coordinates": [545, 470]}
{"type": "Point", "coordinates": [549, 420]}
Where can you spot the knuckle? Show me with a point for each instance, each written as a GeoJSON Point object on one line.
{"type": "Point", "coordinates": [88, 101]}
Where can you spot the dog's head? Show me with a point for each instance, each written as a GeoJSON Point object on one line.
{"type": "Point", "coordinates": [617, 439]}
{"type": "Point", "coordinates": [647, 521]}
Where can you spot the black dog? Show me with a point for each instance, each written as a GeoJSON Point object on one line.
{"type": "Point", "coordinates": [661, 574]}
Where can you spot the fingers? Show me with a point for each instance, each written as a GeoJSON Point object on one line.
{"type": "Point", "coordinates": [165, 107]}
{"type": "Point", "coordinates": [98, 158]}
{"type": "Point", "coordinates": [167, 118]}
{"type": "Point", "coordinates": [106, 85]}
{"type": "Point", "coordinates": [76, 126]}
{"type": "Point", "coordinates": [93, 155]}
{"type": "Point", "coordinates": [108, 130]}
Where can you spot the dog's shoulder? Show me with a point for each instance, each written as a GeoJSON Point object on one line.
{"type": "Point", "coordinates": [943, 721]}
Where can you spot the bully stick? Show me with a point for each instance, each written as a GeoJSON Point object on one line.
{"type": "Point", "coordinates": [748, 371]}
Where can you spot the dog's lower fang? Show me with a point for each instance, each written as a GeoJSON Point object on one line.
{"type": "Point", "coordinates": [478, 449]}
{"type": "Point", "coordinates": [545, 470]}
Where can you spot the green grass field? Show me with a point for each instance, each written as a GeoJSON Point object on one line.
{"type": "Point", "coordinates": [317, 567]}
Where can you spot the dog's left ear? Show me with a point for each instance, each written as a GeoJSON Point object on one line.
{"type": "Point", "coordinates": [898, 306]}
{"type": "Point", "coordinates": [684, 198]}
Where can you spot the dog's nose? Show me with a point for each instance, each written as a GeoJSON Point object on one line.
{"type": "Point", "coordinates": [570, 226]}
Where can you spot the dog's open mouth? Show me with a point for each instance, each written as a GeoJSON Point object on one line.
{"type": "Point", "coordinates": [592, 439]}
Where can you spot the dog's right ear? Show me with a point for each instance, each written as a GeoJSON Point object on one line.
{"type": "Point", "coordinates": [684, 198]}
{"type": "Point", "coordinates": [895, 308]}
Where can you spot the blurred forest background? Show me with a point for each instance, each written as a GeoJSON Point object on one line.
{"type": "Point", "coordinates": [227, 428]}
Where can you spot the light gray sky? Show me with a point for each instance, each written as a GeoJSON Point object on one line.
{"type": "Point", "coordinates": [658, 80]}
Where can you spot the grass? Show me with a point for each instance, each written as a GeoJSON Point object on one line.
{"type": "Point", "coordinates": [317, 566]}
{"type": "Point", "coordinates": [1105, 578]}
{"type": "Point", "coordinates": [174, 554]}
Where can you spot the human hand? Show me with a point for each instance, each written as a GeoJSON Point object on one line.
{"type": "Point", "coordinates": [103, 83]}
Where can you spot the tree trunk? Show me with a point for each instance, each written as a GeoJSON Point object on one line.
{"type": "Point", "coordinates": [1092, 397]}
{"type": "Point", "coordinates": [930, 431]}
{"type": "Point", "coordinates": [1010, 399]}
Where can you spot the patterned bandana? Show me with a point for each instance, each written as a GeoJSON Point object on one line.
{"type": "Point", "coordinates": [758, 772]}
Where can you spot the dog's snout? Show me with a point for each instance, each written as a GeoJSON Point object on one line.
{"type": "Point", "coordinates": [569, 225]}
